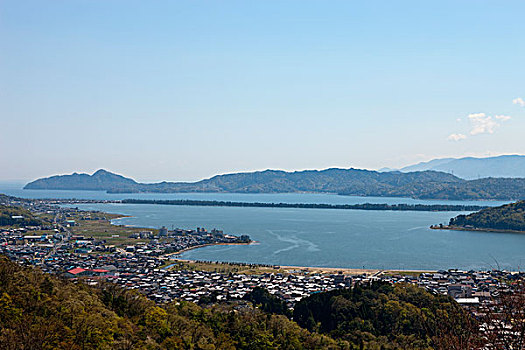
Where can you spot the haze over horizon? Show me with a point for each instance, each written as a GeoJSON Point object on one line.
{"type": "Point", "coordinates": [510, 166]}
{"type": "Point", "coordinates": [187, 90]}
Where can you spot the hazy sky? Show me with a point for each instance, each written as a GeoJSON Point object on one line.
{"type": "Point", "coordinates": [181, 90]}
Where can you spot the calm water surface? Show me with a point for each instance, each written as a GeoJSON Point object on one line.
{"type": "Point", "coordinates": [17, 191]}
{"type": "Point", "coordinates": [338, 238]}
{"type": "Point", "coordinates": [316, 237]}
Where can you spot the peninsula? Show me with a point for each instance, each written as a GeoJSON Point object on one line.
{"type": "Point", "coordinates": [505, 218]}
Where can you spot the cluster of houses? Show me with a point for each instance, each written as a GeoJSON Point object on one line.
{"type": "Point", "coordinates": [469, 288]}
{"type": "Point", "coordinates": [177, 240]}
{"type": "Point", "coordinates": [139, 267]}
{"type": "Point", "coordinates": [143, 266]}
{"type": "Point", "coordinates": [31, 244]}
{"type": "Point", "coordinates": [472, 289]}
{"type": "Point", "coordinates": [164, 285]}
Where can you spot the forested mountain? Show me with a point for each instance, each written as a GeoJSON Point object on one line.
{"type": "Point", "coordinates": [268, 181]}
{"type": "Point", "coordinates": [39, 311]}
{"type": "Point", "coordinates": [358, 182]}
{"type": "Point", "coordinates": [506, 217]}
{"type": "Point", "coordinates": [474, 168]}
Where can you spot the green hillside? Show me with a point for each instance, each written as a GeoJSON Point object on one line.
{"type": "Point", "coordinates": [506, 217]}
{"type": "Point", "coordinates": [10, 216]}
{"type": "Point", "coordinates": [39, 311]}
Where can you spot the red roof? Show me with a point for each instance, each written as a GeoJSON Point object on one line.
{"type": "Point", "coordinates": [99, 270]}
{"type": "Point", "coordinates": [76, 270]}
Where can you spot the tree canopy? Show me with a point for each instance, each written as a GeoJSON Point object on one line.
{"type": "Point", "coordinates": [505, 217]}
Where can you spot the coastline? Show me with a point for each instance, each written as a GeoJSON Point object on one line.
{"type": "Point", "coordinates": [354, 271]}
{"type": "Point", "coordinates": [321, 270]}
{"type": "Point", "coordinates": [362, 206]}
{"type": "Point", "coordinates": [308, 269]}
{"type": "Point", "coordinates": [201, 246]}
{"type": "Point", "coordinates": [473, 229]}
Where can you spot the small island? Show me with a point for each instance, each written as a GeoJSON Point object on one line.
{"type": "Point", "coordinates": [505, 218]}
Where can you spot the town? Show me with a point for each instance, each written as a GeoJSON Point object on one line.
{"type": "Point", "coordinates": [146, 259]}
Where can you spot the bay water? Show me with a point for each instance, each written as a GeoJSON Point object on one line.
{"type": "Point", "coordinates": [317, 237]}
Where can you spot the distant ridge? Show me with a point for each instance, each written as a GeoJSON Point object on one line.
{"type": "Point", "coordinates": [470, 168]}
{"type": "Point", "coordinates": [356, 182]}
{"type": "Point", "coordinates": [101, 180]}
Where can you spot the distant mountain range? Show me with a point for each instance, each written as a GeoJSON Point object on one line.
{"type": "Point", "coordinates": [474, 168]}
{"type": "Point", "coordinates": [420, 184]}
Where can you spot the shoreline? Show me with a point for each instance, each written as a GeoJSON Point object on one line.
{"type": "Point", "coordinates": [289, 268]}
{"type": "Point", "coordinates": [480, 200]}
{"type": "Point", "coordinates": [366, 206]}
{"type": "Point", "coordinates": [167, 256]}
{"type": "Point", "coordinates": [319, 270]}
{"type": "Point", "coordinates": [349, 270]}
{"type": "Point", "coordinates": [400, 207]}
{"type": "Point", "coordinates": [473, 229]}
{"type": "Point", "coordinates": [312, 269]}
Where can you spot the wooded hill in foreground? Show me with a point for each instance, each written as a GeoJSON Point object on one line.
{"type": "Point", "coordinates": [39, 311]}
{"type": "Point", "coordinates": [506, 217]}
{"type": "Point", "coordinates": [355, 182]}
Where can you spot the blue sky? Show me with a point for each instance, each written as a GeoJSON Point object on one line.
{"type": "Point", "coordinates": [182, 90]}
